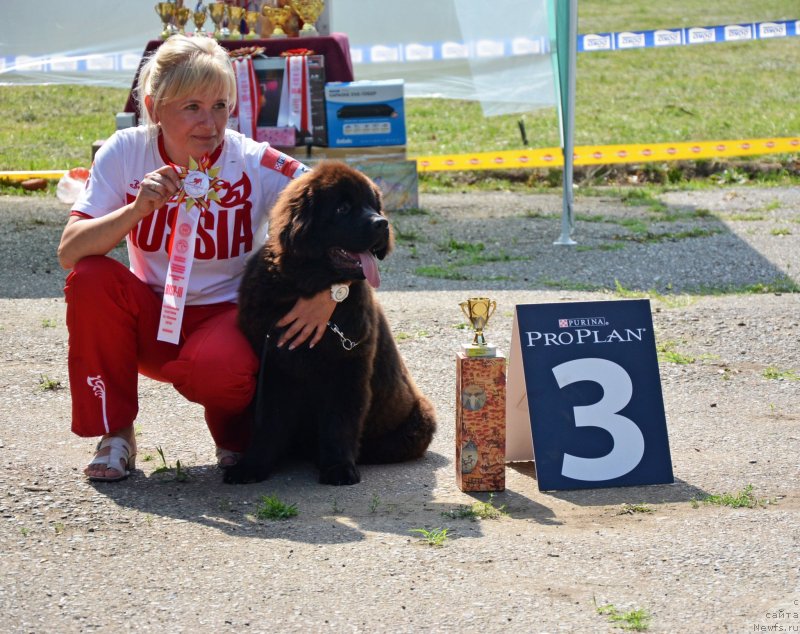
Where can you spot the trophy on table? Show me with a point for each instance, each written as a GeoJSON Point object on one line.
{"type": "Point", "coordinates": [278, 17]}
{"type": "Point", "coordinates": [181, 18]}
{"type": "Point", "coordinates": [308, 11]}
{"type": "Point", "coordinates": [217, 12]}
{"type": "Point", "coordinates": [199, 16]}
{"type": "Point", "coordinates": [235, 15]}
{"type": "Point", "coordinates": [478, 310]}
{"type": "Point", "coordinates": [251, 19]}
{"type": "Point", "coordinates": [166, 11]}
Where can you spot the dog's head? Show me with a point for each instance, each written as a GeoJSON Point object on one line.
{"type": "Point", "coordinates": [334, 216]}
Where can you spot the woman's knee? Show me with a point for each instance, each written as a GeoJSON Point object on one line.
{"type": "Point", "coordinates": [95, 272]}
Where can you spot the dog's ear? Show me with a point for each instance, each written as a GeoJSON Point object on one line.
{"type": "Point", "coordinates": [292, 219]}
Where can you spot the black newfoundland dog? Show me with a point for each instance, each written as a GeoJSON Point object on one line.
{"type": "Point", "coordinates": [350, 399]}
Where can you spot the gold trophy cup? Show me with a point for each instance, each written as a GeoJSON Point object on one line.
{"type": "Point", "coordinates": [308, 11]}
{"type": "Point", "coordinates": [251, 18]}
{"type": "Point", "coordinates": [235, 15]}
{"type": "Point", "coordinates": [217, 12]}
{"type": "Point", "coordinates": [199, 18]}
{"type": "Point", "coordinates": [166, 11]}
{"type": "Point", "coordinates": [478, 310]}
{"type": "Point", "coordinates": [182, 15]}
{"type": "Point", "coordinates": [278, 17]}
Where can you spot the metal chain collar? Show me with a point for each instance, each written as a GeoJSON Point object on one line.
{"type": "Point", "coordinates": [347, 344]}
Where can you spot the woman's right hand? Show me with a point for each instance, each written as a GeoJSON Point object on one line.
{"type": "Point", "coordinates": [155, 189]}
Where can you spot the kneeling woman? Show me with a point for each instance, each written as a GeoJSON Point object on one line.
{"type": "Point", "coordinates": [191, 199]}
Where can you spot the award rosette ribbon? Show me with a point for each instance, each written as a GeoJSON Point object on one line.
{"type": "Point", "coordinates": [295, 106]}
{"type": "Point", "coordinates": [200, 187]}
{"type": "Point", "coordinates": [245, 116]}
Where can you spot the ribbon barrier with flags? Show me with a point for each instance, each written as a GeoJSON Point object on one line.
{"type": "Point", "coordinates": [605, 154]}
{"type": "Point", "coordinates": [552, 156]}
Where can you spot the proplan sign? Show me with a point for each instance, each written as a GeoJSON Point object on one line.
{"type": "Point", "coordinates": [584, 390]}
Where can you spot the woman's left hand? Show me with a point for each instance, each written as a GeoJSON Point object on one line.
{"type": "Point", "coordinates": [308, 318]}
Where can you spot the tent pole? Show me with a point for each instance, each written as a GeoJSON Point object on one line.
{"type": "Point", "coordinates": [568, 119]}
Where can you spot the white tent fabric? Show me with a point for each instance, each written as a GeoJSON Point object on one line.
{"type": "Point", "coordinates": [494, 52]}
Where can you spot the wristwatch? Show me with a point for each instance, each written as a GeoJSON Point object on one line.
{"type": "Point", "coordinates": [339, 292]}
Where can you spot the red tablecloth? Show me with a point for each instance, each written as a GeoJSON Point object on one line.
{"type": "Point", "coordinates": [335, 48]}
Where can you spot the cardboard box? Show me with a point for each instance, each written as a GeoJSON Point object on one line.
{"type": "Point", "coordinates": [480, 423]}
{"type": "Point", "coordinates": [387, 165]}
{"type": "Point", "coordinates": [269, 79]}
{"type": "Point", "coordinates": [365, 113]}
{"type": "Point", "coordinates": [397, 180]}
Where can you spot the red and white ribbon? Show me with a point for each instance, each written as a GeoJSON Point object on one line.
{"type": "Point", "coordinates": [200, 186]}
{"type": "Point", "coordinates": [295, 109]}
{"type": "Point", "coordinates": [247, 96]}
{"type": "Point", "coordinates": [176, 286]}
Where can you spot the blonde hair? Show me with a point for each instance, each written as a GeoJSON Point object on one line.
{"type": "Point", "coordinates": [180, 66]}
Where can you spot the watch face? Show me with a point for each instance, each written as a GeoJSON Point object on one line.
{"type": "Point", "coordinates": [339, 292]}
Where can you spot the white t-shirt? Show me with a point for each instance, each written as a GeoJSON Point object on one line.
{"type": "Point", "coordinates": [252, 175]}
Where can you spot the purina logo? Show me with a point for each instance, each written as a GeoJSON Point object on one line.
{"type": "Point", "coordinates": [735, 32]}
{"type": "Point", "coordinates": [582, 322]}
{"type": "Point", "coordinates": [594, 42]}
{"type": "Point", "coordinates": [770, 29]}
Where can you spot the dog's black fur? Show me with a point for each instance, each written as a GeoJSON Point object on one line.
{"type": "Point", "coordinates": [339, 407]}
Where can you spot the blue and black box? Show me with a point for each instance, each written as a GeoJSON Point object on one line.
{"type": "Point", "coordinates": [365, 113]}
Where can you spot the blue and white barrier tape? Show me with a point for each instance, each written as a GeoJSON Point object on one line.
{"type": "Point", "coordinates": [690, 35]}
{"type": "Point", "coordinates": [128, 61]}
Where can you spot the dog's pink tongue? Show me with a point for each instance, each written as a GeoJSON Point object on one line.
{"type": "Point", "coordinates": [369, 266]}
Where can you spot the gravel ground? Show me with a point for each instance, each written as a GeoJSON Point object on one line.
{"type": "Point", "coordinates": [154, 553]}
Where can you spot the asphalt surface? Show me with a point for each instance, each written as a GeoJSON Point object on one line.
{"type": "Point", "coordinates": [159, 551]}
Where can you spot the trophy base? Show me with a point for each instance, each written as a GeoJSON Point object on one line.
{"type": "Point", "coordinates": [474, 350]}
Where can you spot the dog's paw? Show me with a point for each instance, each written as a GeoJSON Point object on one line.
{"type": "Point", "coordinates": [243, 473]}
{"type": "Point", "coordinates": [340, 474]}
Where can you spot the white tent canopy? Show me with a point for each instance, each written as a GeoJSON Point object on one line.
{"type": "Point", "coordinates": [493, 52]}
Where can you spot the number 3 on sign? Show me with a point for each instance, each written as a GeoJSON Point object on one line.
{"type": "Point", "coordinates": [607, 347]}
{"type": "Point", "coordinates": [628, 440]}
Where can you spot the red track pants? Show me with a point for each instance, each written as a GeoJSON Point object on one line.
{"type": "Point", "coordinates": [112, 318]}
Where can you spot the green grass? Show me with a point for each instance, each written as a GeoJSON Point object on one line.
{"type": "Point", "coordinates": [48, 384]}
{"type": "Point", "coordinates": [781, 375]}
{"type": "Point", "coordinates": [783, 284]}
{"type": "Point", "coordinates": [179, 472]}
{"type": "Point", "coordinates": [271, 508]}
{"type": "Point", "coordinates": [668, 354]}
{"type": "Point", "coordinates": [702, 92]}
{"type": "Point", "coordinates": [478, 510]}
{"type": "Point", "coordinates": [633, 509]}
{"type": "Point", "coordinates": [53, 127]}
{"type": "Point", "coordinates": [742, 499]}
{"type": "Point", "coordinates": [432, 537]}
{"type": "Point", "coordinates": [634, 620]}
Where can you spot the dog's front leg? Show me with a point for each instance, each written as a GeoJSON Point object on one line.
{"type": "Point", "coordinates": [339, 433]}
{"type": "Point", "coordinates": [270, 442]}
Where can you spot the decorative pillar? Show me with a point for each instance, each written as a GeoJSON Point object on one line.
{"type": "Point", "coordinates": [480, 423]}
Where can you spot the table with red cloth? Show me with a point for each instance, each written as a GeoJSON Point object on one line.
{"type": "Point", "coordinates": [335, 48]}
